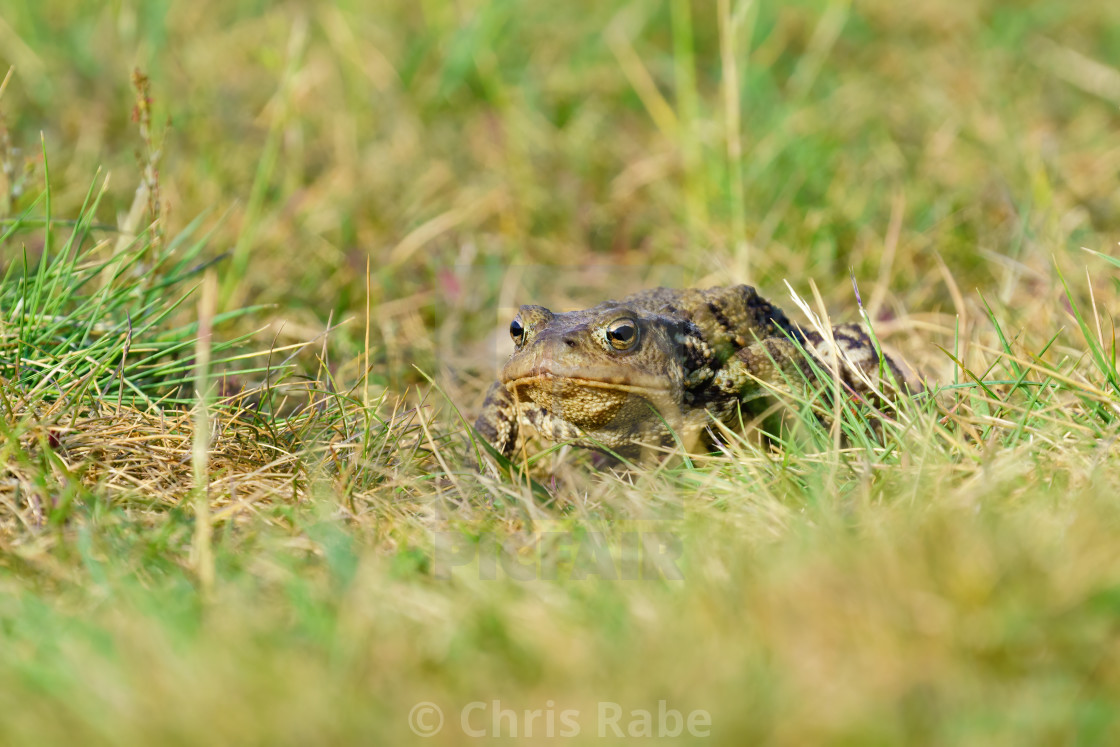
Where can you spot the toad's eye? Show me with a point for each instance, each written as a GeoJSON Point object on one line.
{"type": "Point", "coordinates": [516, 331]}
{"type": "Point", "coordinates": [622, 334]}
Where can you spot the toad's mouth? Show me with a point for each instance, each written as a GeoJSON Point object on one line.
{"type": "Point", "coordinates": [546, 375]}
{"type": "Point", "coordinates": [593, 399]}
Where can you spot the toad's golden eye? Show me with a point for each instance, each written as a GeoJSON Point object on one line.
{"type": "Point", "coordinates": [516, 331]}
{"type": "Point", "coordinates": [622, 333]}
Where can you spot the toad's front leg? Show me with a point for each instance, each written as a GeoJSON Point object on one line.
{"type": "Point", "coordinates": [497, 422]}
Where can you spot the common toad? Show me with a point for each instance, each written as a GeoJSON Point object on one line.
{"type": "Point", "coordinates": [629, 374]}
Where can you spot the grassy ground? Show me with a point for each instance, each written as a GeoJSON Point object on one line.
{"type": "Point", "coordinates": [238, 504]}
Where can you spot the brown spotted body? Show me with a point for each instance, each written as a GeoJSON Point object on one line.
{"type": "Point", "coordinates": [659, 364]}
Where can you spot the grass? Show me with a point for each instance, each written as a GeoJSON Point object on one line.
{"type": "Point", "coordinates": [309, 548]}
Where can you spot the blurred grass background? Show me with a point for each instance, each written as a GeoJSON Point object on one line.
{"type": "Point", "coordinates": [449, 141]}
{"type": "Point", "coordinates": [477, 155]}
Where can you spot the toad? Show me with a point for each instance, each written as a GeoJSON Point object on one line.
{"type": "Point", "coordinates": [658, 366]}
